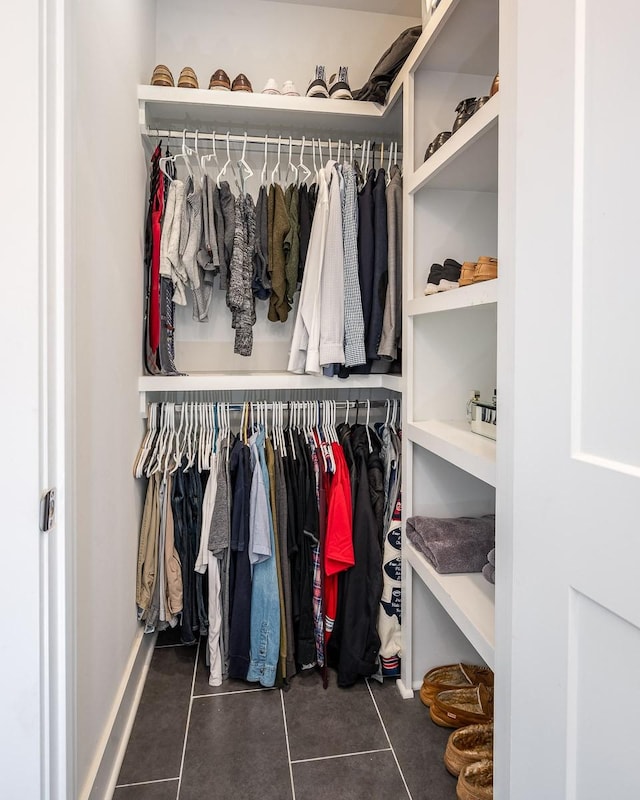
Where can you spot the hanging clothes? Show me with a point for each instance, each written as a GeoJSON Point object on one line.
{"type": "Point", "coordinates": [391, 336]}
{"type": "Point", "coordinates": [278, 229]}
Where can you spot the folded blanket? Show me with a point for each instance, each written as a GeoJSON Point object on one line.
{"type": "Point", "coordinates": [460, 544]}
{"type": "Point", "coordinates": [491, 557]}
{"type": "Point", "coordinates": [489, 572]}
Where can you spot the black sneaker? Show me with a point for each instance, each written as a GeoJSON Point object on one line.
{"type": "Point", "coordinates": [450, 275]}
{"type": "Point", "coordinates": [339, 88]}
{"type": "Point", "coordinates": [318, 86]}
{"type": "Point", "coordinates": [433, 281]}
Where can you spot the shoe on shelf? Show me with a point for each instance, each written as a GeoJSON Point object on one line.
{"type": "Point", "coordinates": [241, 84]}
{"type": "Point", "coordinates": [289, 88]}
{"type": "Point", "coordinates": [486, 269]}
{"type": "Point", "coordinates": [456, 708]}
{"type": "Point", "coordinates": [318, 84]}
{"type": "Point", "coordinates": [450, 275]}
{"type": "Point", "coordinates": [495, 86]}
{"type": "Point", "coordinates": [271, 87]}
{"type": "Point", "coordinates": [453, 676]}
{"type": "Point", "coordinates": [162, 76]}
{"type": "Point", "coordinates": [465, 110]}
{"type": "Point", "coordinates": [475, 782]}
{"type": "Point", "coordinates": [437, 143]}
{"type": "Point", "coordinates": [433, 281]}
{"type": "Point", "coordinates": [220, 82]}
{"type": "Point", "coordinates": [467, 273]}
{"type": "Point", "coordinates": [339, 88]}
{"type": "Point", "coordinates": [188, 79]}
{"type": "Point", "coordinates": [468, 745]}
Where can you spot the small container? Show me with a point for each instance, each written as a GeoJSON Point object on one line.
{"type": "Point", "coordinates": [482, 416]}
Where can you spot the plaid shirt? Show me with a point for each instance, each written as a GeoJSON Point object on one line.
{"type": "Point", "coordinates": [354, 351]}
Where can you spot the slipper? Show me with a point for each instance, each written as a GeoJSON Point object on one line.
{"type": "Point", "coordinates": [453, 676]}
{"type": "Point", "coordinates": [468, 745]}
{"type": "Point", "coordinates": [459, 707]}
{"type": "Point", "coordinates": [475, 782]}
{"type": "Point", "coordinates": [162, 76]}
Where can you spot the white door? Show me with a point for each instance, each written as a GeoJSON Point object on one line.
{"type": "Point", "coordinates": [35, 759]}
{"type": "Point", "coordinates": [574, 704]}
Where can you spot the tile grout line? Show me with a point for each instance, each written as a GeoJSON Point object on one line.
{"type": "Point", "coordinates": [286, 736]}
{"type": "Point", "coordinates": [239, 691]}
{"type": "Point", "coordinates": [144, 783]}
{"type": "Point", "coordinates": [186, 730]}
{"type": "Point", "coordinates": [342, 755]}
{"type": "Point", "coordinates": [384, 728]}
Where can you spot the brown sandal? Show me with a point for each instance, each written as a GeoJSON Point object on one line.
{"type": "Point", "coordinates": [453, 676]}
{"type": "Point", "coordinates": [468, 745]}
{"type": "Point", "coordinates": [459, 707]}
{"type": "Point", "coordinates": [475, 782]}
{"type": "Point", "coordinates": [188, 79]}
{"type": "Point", "coordinates": [162, 76]}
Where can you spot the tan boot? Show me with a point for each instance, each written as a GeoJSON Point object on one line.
{"type": "Point", "coordinates": [486, 269]}
{"type": "Point", "coordinates": [467, 273]}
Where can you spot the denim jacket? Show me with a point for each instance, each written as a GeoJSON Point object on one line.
{"type": "Point", "coordinates": [265, 600]}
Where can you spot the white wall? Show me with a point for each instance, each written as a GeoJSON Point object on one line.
{"type": "Point", "coordinates": [267, 39]}
{"type": "Point", "coordinates": [114, 48]}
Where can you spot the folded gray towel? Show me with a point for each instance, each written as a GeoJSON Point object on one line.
{"type": "Point", "coordinates": [489, 572]}
{"type": "Point", "coordinates": [491, 557]}
{"type": "Point", "coordinates": [453, 545]}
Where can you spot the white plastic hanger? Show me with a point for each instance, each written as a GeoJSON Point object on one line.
{"type": "Point", "coordinates": [338, 154]}
{"type": "Point", "coordinates": [315, 165]}
{"type": "Point", "coordinates": [227, 164]}
{"type": "Point", "coordinates": [263, 174]}
{"type": "Point", "coordinates": [330, 148]}
{"type": "Point", "coordinates": [291, 167]}
{"type": "Point", "coordinates": [204, 160]}
{"type": "Point", "coordinates": [367, 424]}
{"type": "Point", "coordinates": [301, 166]}
{"type": "Point", "coordinates": [277, 166]}
{"type": "Point", "coordinates": [245, 170]}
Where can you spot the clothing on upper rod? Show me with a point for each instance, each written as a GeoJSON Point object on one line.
{"type": "Point", "coordinates": [270, 541]}
{"type": "Point", "coordinates": [197, 230]}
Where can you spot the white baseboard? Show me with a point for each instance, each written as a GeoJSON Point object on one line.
{"type": "Point", "coordinates": [105, 769]}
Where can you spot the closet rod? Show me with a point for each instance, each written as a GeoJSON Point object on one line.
{"type": "Point", "coordinates": [342, 404]}
{"type": "Point", "coordinates": [272, 141]}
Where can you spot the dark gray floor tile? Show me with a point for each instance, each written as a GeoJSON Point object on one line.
{"type": "Point", "coordinates": [202, 679]}
{"type": "Point", "coordinates": [419, 744]}
{"type": "Point", "coordinates": [166, 790]}
{"type": "Point", "coordinates": [155, 746]}
{"type": "Point", "coordinates": [328, 723]}
{"type": "Point", "coordinates": [374, 776]}
{"type": "Point", "coordinates": [237, 749]}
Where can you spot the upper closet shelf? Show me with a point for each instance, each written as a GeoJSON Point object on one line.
{"type": "Point", "coordinates": [476, 294]}
{"type": "Point", "coordinates": [259, 382]}
{"type": "Point", "coordinates": [468, 160]}
{"type": "Point", "coordinates": [454, 442]}
{"type": "Point", "coordinates": [460, 37]}
{"type": "Point", "coordinates": [163, 107]}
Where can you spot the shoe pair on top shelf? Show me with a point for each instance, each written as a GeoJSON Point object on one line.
{"type": "Point", "coordinates": [338, 89]}
{"type": "Point", "coordinates": [451, 274]}
{"type": "Point", "coordinates": [288, 88]}
{"type": "Point", "coordinates": [464, 111]}
{"type": "Point", "coordinates": [461, 696]}
{"type": "Point", "coordinates": [188, 79]}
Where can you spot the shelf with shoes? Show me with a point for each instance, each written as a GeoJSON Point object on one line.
{"type": "Point", "coordinates": [260, 382]}
{"type": "Point", "coordinates": [476, 294]}
{"type": "Point", "coordinates": [468, 160]}
{"type": "Point", "coordinates": [162, 107]}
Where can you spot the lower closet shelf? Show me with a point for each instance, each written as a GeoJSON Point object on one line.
{"type": "Point", "coordinates": [468, 598]}
{"type": "Point", "coordinates": [455, 442]}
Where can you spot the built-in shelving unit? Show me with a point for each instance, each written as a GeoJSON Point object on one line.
{"type": "Point", "coordinates": [449, 337]}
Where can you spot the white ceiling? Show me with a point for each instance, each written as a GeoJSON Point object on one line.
{"type": "Point", "coordinates": [401, 8]}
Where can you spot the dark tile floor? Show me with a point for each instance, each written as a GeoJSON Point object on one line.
{"type": "Point", "coordinates": [237, 742]}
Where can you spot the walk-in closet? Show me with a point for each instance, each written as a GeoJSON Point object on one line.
{"type": "Point", "coordinates": [318, 460]}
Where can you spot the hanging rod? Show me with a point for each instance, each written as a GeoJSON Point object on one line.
{"type": "Point", "coordinates": [272, 141]}
{"type": "Point", "coordinates": [269, 405]}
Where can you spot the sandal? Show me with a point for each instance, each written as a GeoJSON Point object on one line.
{"type": "Point", "coordinates": [459, 707]}
{"type": "Point", "coordinates": [162, 76]}
{"type": "Point", "coordinates": [475, 782]}
{"type": "Point", "coordinates": [453, 676]}
{"type": "Point", "coordinates": [468, 745]}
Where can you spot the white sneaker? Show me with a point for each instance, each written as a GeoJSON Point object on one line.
{"type": "Point", "coordinates": [318, 84]}
{"type": "Point", "coordinates": [289, 88]}
{"type": "Point", "coordinates": [271, 87]}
